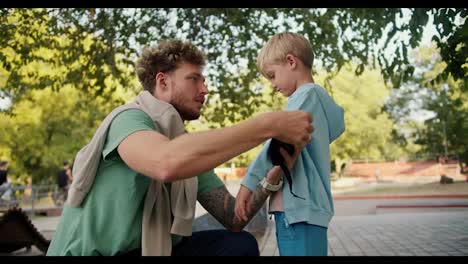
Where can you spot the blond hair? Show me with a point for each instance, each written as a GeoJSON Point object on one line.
{"type": "Point", "coordinates": [282, 44]}
{"type": "Point", "coordinates": [165, 57]}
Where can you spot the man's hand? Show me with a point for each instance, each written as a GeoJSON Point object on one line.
{"type": "Point", "coordinates": [242, 203]}
{"type": "Point", "coordinates": [293, 127]}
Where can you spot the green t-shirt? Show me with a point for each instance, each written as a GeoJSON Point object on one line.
{"type": "Point", "coordinates": [110, 217]}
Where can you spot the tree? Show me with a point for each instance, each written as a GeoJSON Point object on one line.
{"type": "Point", "coordinates": [51, 118]}
{"type": "Point", "coordinates": [368, 129]}
{"type": "Point", "coordinates": [446, 133]}
{"type": "Point", "coordinates": [46, 128]}
{"type": "Point", "coordinates": [231, 39]}
{"type": "Point", "coordinates": [443, 132]}
{"type": "Point", "coordinates": [35, 56]}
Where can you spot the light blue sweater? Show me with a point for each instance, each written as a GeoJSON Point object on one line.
{"type": "Point", "coordinates": [311, 173]}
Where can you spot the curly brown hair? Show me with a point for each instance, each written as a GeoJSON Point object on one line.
{"type": "Point", "coordinates": [166, 57]}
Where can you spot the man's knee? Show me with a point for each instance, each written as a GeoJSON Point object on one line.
{"type": "Point", "coordinates": [247, 244]}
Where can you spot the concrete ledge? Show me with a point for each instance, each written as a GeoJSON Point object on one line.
{"type": "Point", "coordinates": [45, 211]}
{"type": "Point", "coordinates": [398, 196]}
{"type": "Point", "coordinates": [423, 206]}
{"type": "Point", "coordinates": [413, 208]}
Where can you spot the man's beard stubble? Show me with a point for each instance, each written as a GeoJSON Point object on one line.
{"type": "Point", "coordinates": [185, 113]}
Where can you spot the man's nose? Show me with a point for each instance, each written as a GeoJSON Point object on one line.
{"type": "Point", "coordinates": [204, 88]}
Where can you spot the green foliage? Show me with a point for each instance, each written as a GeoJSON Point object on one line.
{"type": "Point", "coordinates": [228, 36]}
{"type": "Point", "coordinates": [87, 55]}
{"type": "Point", "coordinates": [39, 49]}
{"type": "Point", "coordinates": [53, 115]}
{"type": "Point", "coordinates": [445, 132]}
{"type": "Point", "coordinates": [368, 129]}
{"type": "Point", "coordinates": [46, 128]}
{"type": "Point", "coordinates": [452, 44]}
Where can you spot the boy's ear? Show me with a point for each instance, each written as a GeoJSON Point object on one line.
{"type": "Point", "coordinates": [291, 60]}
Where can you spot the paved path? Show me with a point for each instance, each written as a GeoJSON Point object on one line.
{"type": "Point", "coordinates": [396, 234]}
{"type": "Point", "coordinates": [411, 204]}
{"type": "Point", "coordinates": [358, 229]}
{"type": "Point", "coordinates": [432, 233]}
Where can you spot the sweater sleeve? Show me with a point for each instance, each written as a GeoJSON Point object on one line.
{"type": "Point", "coordinates": [258, 169]}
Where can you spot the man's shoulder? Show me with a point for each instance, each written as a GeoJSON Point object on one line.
{"type": "Point", "coordinates": [124, 124]}
{"type": "Point", "coordinates": [132, 117]}
{"type": "Point", "coordinates": [131, 113]}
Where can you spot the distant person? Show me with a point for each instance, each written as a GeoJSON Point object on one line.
{"type": "Point", "coordinates": [64, 179]}
{"type": "Point", "coordinates": [3, 172]}
{"type": "Point", "coordinates": [5, 186]}
{"type": "Point", "coordinates": [301, 224]}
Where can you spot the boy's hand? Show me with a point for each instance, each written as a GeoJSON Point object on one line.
{"type": "Point", "coordinates": [290, 160]}
{"type": "Point", "coordinates": [275, 174]}
{"type": "Point", "coordinates": [242, 203]}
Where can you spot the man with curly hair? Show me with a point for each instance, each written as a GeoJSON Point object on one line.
{"type": "Point", "coordinates": [135, 185]}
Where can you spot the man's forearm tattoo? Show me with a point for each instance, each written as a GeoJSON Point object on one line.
{"type": "Point", "coordinates": [220, 204]}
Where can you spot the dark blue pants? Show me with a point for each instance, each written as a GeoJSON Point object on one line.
{"type": "Point", "coordinates": [213, 243]}
{"type": "Point", "coordinates": [217, 243]}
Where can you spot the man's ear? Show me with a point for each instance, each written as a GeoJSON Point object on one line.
{"type": "Point", "coordinates": [161, 80]}
{"type": "Point", "coordinates": [160, 85]}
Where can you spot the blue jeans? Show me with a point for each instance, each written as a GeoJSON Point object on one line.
{"type": "Point", "coordinates": [213, 243]}
{"type": "Point", "coordinates": [300, 239]}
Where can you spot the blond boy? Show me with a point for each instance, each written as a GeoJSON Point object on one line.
{"type": "Point", "coordinates": [301, 225]}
